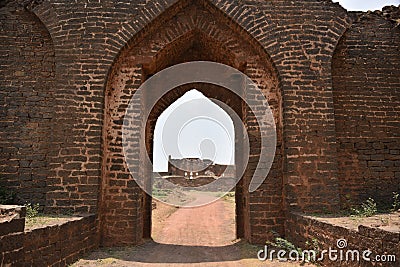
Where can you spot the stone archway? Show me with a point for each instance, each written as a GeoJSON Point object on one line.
{"type": "Point", "coordinates": [192, 32]}
{"type": "Point", "coordinates": [238, 106]}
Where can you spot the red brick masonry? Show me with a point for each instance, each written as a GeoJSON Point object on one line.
{"type": "Point", "coordinates": [301, 228]}
{"type": "Point", "coordinates": [56, 245]}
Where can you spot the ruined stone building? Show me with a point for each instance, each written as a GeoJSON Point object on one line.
{"type": "Point", "coordinates": [68, 70]}
{"type": "Point", "coordinates": [195, 167]}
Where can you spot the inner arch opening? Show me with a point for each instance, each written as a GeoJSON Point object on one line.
{"type": "Point", "coordinates": [193, 145]}
{"type": "Point", "coordinates": [207, 135]}
{"type": "Point", "coordinates": [206, 97]}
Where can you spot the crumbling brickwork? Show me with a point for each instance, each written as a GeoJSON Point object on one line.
{"type": "Point", "coordinates": [194, 167]}
{"type": "Point", "coordinates": [302, 230]}
{"type": "Point", "coordinates": [55, 245]}
{"type": "Point", "coordinates": [69, 70]}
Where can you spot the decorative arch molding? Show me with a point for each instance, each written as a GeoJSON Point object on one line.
{"type": "Point", "coordinates": [256, 22]}
{"type": "Point", "coordinates": [155, 12]}
{"type": "Point", "coordinates": [44, 10]}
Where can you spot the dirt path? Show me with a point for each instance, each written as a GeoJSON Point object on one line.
{"type": "Point", "coordinates": [202, 236]}
{"type": "Point", "coordinates": [211, 225]}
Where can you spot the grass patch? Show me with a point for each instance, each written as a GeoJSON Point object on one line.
{"type": "Point", "coordinates": [35, 219]}
{"type": "Point", "coordinates": [43, 220]}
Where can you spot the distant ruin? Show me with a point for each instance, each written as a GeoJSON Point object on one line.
{"type": "Point", "coordinates": [192, 167]}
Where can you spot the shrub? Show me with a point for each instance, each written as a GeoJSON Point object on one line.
{"type": "Point", "coordinates": [367, 209]}
{"type": "Point", "coordinates": [396, 201]}
{"type": "Point", "coordinates": [32, 211]}
{"type": "Point", "coordinates": [284, 244]}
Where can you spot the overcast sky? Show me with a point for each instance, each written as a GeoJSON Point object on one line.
{"type": "Point", "coordinates": [210, 138]}
{"type": "Point", "coordinates": [193, 127]}
{"type": "Point", "coordinates": [365, 5]}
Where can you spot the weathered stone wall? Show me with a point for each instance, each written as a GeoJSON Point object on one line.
{"type": "Point", "coordinates": [12, 224]}
{"type": "Point", "coordinates": [300, 229]}
{"type": "Point", "coordinates": [366, 82]}
{"type": "Point", "coordinates": [56, 245]}
{"type": "Point", "coordinates": [70, 69]}
{"type": "Point", "coordinates": [60, 245]}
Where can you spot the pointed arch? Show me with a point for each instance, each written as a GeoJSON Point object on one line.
{"type": "Point", "coordinates": [194, 32]}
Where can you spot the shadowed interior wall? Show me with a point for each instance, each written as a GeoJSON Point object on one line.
{"type": "Point", "coordinates": [366, 81]}
{"type": "Point", "coordinates": [27, 74]}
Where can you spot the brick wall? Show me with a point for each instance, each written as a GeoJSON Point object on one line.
{"type": "Point", "coordinates": [300, 229]}
{"type": "Point", "coordinates": [56, 245]}
{"type": "Point", "coordinates": [366, 81]}
{"type": "Point", "coordinates": [12, 224]}
{"type": "Point", "coordinates": [26, 104]}
{"type": "Point", "coordinates": [60, 245]}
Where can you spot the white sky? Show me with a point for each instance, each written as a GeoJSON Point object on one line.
{"type": "Point", "coordinates": [365, 5]}
{"type": "Point", "coordinates": [191, 141]}
{"type": "Point", "coordinates": [193, 127]}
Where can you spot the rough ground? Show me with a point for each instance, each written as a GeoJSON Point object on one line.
{"type": "Point", "coordinates": [203, 236]}
{"type": "Point", "coordinates": [388, 221]}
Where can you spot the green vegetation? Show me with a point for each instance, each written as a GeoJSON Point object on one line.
{"type": "Point", "coordinates": [367, 209]}
{"type": "Point", "coordinates": [161, 193]}
{"type": "Point", "coordinates": [284, 244]}
{"type": "Point", "coordinates": [32, 211]}
{"type": "Point", "coordinates": [230, 196]}
{"type": "Point", "coordinates": [396, 202]}
{"type": "Point", "coordinates": [314, 245]}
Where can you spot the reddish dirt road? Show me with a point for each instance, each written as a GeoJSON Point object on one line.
{"type": "Point", "coordinates": [202, 236]}
{"type": "Point", "coordinates": [211, 225]}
